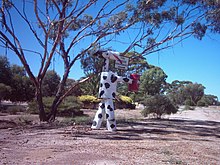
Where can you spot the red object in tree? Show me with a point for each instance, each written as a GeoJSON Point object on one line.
{"type": "Point", "coordinates": [135, 82]}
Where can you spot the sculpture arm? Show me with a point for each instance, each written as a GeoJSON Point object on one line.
{"type": "Point", "coordinates": [124, 79]}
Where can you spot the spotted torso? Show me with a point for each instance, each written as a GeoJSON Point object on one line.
{"type": "Point", "coordinates": [108, 84]}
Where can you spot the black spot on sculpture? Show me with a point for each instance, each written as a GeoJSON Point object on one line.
{"type": "Point", "coordinates": [107, 85]}
{"type": "Point", "coordinates": [101, 93]}
{"type": "Point", "coordinates": [100, 116]}
{"type": "Point", "coordinates": [113, 78]}
{"type": "Point", "coordinates": [102, 106]}
{"type": "Point", "coordinates": [110, 108]}
{"type": "Point", "coordinates": [112, 126]}
{"type": "Point", "coordinates": [126, 79]}
{"type": "Point", "coordinates": [113, 94]}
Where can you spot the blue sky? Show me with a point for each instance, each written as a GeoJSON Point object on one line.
{"type": "Point", "coordinates": [191, 60]}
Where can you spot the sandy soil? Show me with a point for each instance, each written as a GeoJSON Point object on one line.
{"type": "Point", "coordinates": [188, 137]}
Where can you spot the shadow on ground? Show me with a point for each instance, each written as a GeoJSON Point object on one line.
{"type": "Point", "coordinates": [163, 129]}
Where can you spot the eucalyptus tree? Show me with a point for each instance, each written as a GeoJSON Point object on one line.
{"type": "Point", "coordinates": [91, 66]}
{"type": "Point", "coordinates": [153, 82]}
{"type": "Point", "coordinates": [22, 88]}
{"type": "Point", "coordinates": [175, 91]}
{"type": "Point", "coordinates": [50, 83]}
{"type": "Point", "coordinates": [5, 71]}
{"type": "Point", "coordinates": [66, 29]}
{"type": "Point", "coordinates": [193, 92]}
{"type": "Point", "coordinates": [15, 85]}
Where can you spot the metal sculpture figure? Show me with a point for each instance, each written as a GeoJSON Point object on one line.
{"type": "Point", "coordinates": [107, 91]}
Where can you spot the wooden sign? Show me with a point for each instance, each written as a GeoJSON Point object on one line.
{"type": "Point", "coordinates": [123, 63]}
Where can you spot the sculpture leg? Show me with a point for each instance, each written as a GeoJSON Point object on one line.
{"type": "Point", "coordinates": [110, 116]}
{"type": "Point", "coordinates": [99, 116]}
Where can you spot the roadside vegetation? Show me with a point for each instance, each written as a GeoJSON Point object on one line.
{"type": "Point", "coordinates": [158, 96]}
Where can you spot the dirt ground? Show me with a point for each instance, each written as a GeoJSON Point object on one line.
{"type": "Point", "coordinates": [188, 137]}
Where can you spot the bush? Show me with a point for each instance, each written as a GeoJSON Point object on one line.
{"type": "Point", "coordinates": [158, 105]}
{"type": "Point", "coordinates": [187, 107]}
{"type": "Point", "coordinates": [202, 103]}
{"type": "Point", "coordinates": [15, 108]}
{"type": "Point", "coordinates": [125, 102]}
{"type": "Point", "coordinates": [189, 102]}
{"type": "Point", "coordinates": [12, 109]}
{"type": "Point", "coordinates": [208, 100]}
{"type": "Point", "coordinates": [69, 107]}
{"type": "Point", "coordinates": [89, 101]}
{"type": "Point", "coordinates": [32, 107]}
{"type": "Point", "coordinates": [126, 99]}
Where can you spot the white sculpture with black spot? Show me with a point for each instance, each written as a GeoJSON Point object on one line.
{"type": "Point", "coordinates": [107, 91]}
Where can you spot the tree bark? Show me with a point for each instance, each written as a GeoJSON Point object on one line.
{"type": "Point", "coordinates": [52, 115]}
{"type": "Point", "coordinates": [42, 114]}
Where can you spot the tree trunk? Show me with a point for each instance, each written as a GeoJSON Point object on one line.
{"type": "Point", "coordinates": [58, 98]}
{"type": "Point", "coordinates": [42, 114]}
{"type": "Point", "coordinates": [52, 115]}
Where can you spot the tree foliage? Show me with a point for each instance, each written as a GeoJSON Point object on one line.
{"type": "Point", "coordinates": [50, 83]}
{"type": "Point", "coordinates": [193, 92]}
{"type": "Point", "coordinates": [18, 86]}
{"type": "Point", "coordinates": [137, 63]}
{"type": "Point", "coordinates": [175, 91]}
{"type": "Point", "coordinates": [91, 65]}
{"type": "Point", "coordinates": [208, 100]}
{"type": "Point", "coordinates": [5, 71]}
{"type": "Point", "coordinates": [4, 91]}
{"type": "Point", "coordinates": [77, 91]}
{"type": "Point", "coordinates": [153, 81]}
{"type": "Point", "coordinates": [22, 87]}
{"type": "Point", "coordinates": [185, 92]}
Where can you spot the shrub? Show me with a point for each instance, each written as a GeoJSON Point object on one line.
{"type": "Point", "coordinates": [202, 103]}
{"type": "Point", "coordinates": [189, 102]}
{"type": "Point", "coordinates": [69, 107]}
{"type": "Point", "coordinates": [207, 100]}
{"type": "Point", "coordinates": [187, 107]}
{"type": "Point", "coordinates": [12, 109]}
{"type": "Point", "coordinates": [158, 105]}
{"type": "Point", "coordinates": [32, 107]}
{"type": "Point", "coordinates": [88, 101]}
{"type": "Point", "coordinates": [125, 102]}
{"type": "Point", "coordinates": [126, 99]}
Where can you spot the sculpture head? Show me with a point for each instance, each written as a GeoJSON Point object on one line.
{"type": "Point", "coordinates": [99, 53]}
{"type": "Point", "coordinates": [108, 55]}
